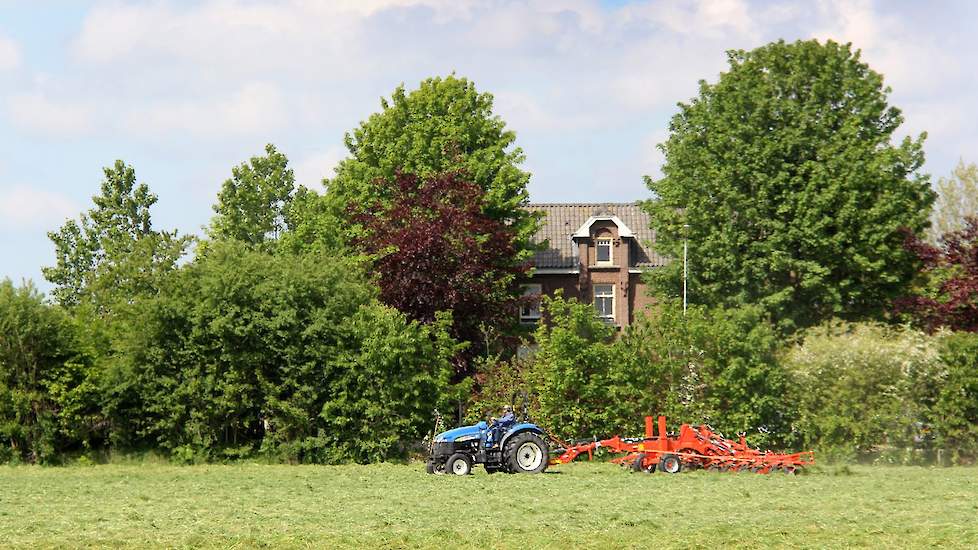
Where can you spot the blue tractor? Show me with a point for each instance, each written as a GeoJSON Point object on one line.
{"type": "Point", "coordinates": [508, 444]}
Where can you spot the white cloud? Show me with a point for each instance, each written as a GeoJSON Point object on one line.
{"type": "Point", "coordinates": [256, 108]}
{"type": "Point", "coordinates": [523, 111]}
{"type": "Point", "coordinates": [704, 18]}
{"type": "Point", "coordinates": [23, 207]}
{"type": "Point", "coordinates": [292, 32]}
{"type": "Point", "coordinates": [910, 59]}
{"type": "Point", "coordinates": [311, 169]}
{"type": "Point", "coordinates": [37, 113]}
{"type": "Point", "coordinates": [9, 54]}
{"type": "Point", "coordinates": [225, 72]}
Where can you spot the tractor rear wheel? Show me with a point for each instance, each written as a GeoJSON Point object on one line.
{"type": "Point", "coordinates": [459, 464]}
{"type": "Point", "coordinates": [527, 453]}
{"type": "Point", "coordinates": [670, 464]}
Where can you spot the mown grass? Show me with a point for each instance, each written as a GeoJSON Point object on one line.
{"type": "Point", "coordinates": [584, 505]}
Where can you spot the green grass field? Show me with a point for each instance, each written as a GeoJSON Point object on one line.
{"type": "Point", "coordinates": [590, 505]}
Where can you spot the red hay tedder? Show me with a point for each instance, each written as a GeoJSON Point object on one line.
{"type": "Point", "coordinates": [691, 448]}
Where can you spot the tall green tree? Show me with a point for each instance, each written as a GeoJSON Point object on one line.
{"type": "Point", "coordinates": [112, 252]}
{"type": "Point", "coordinates": [444, 126]}
{"type": "Point", "coordinates": [252, 205]}
{"type": "Point", "coordinates": [957, 199]}
{"type": "Point", "coordinates": [785, 180]}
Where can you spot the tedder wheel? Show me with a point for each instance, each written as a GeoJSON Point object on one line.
{"type": "Point", "coordinates": [670, 464]}
{"type": "Point", "coordinates": [637, 465]}
{"type": "Point", "coordinates": [459, 464]}
{"type": "Point", "coordinates": [691, 462]}
{"type": "Point", "coordinates": [527, 453]}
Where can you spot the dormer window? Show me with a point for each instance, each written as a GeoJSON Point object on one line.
{"type": "Point", "coordinates": [603, 251]}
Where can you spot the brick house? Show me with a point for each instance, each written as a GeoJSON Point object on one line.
{"type": "Point", "coordinates": [596, 253]}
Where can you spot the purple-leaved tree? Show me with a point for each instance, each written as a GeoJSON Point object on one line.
{"type": "Point", "coordinates": [950, 297]}
{"type": "Point", "coordinates": [436, 250]}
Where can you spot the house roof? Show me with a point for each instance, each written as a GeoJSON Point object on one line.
{"type": "Point", "coordinates": [563, 221]}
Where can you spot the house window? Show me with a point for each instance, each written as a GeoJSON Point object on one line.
{"type": "Point", "coordinates": [604, 302]}
{"type": "Point", "coordinates": [603, 251]}
{"type": "Point", "coordinates": [530, 307]}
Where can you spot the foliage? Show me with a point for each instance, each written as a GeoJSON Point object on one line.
{"type": "Point", "coordinates": [948, 295]}
{"type": "Point", "coordinates": [291, 355]}
{"type": "Point", "coordinates": [717, 367]}
{"type": "Point", "coordinates": [252, 205]}
{"type": "Point", "coordinates": [444, 126]}
{"type": "Point", "coordinates": [48, 382]}
{"type": "Point", "coordinates": [311, 226]}
{"type": "Point", "coordinates": [865, 387]}
{"type": "Point", "coordinates": [783, 177]}
{"type": "Point", "coordinates": [570, 368]}
{"type": "Point", "coordinates": [956, 409]}
{"type": "Point", "coordinates": [112, 254]}
{"type": "Point", "coordinates": [957, 199]}
{"type": "Point", "coordinates": [436, 250]}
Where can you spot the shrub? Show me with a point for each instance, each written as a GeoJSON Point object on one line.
{"type": "Point", "coordinates": [48, 398]}
{"type": "Point", "coordinates": [864, 387]}
{"type": "Point", "coordinates": [569, 372]}
{"type": "Point", "coordinates": [717, 367]}
{"type": "Point", "coordinates": [956, 409]}
{"type": "Point", "coordinates": [714, 366]}
{"type": "Point", "coordinates": [292, 355]}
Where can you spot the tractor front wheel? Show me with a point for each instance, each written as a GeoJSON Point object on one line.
{"type": "Point", "coordinates": [459, 464]}
{"type": "Point", "coordinates": [527, 453]}
{"type": "Point", "coordinates": [433, 468]}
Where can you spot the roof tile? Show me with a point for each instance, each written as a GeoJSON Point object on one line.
{"type": "Point", "coordinates": [562, 220]}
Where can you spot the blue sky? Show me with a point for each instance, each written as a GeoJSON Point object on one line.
{"type": "Point", "coordinates": [185, 90]}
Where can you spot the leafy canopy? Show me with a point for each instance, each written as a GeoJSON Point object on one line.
{"type": "Point", "coordinates": [957, 199]}
{"type": "Point", "coordinates": [291, 356]}
{"type": "Point", "coordinates": [252, 205]}
{"type": "Point", "coordinates": [784, 179]}
{"type": "Point", "coordinates": [445, 126]}
{"type": "Point", "coordinates": [112, 253]}
{"type": "Point", "coordinates": [947, 293]}
{"type": "Point", "coordinates": [857, 387]}
{"type": "Point", "coordinates": [435, 249]}
{"type": "Point", "coordinates": [707, 366]}
{"type": "Point", "coordinates": [48, 383]}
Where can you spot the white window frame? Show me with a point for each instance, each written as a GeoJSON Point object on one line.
{"type": "Point", "coordinates": [530, 313]}
{"type": "Point", "coordinates": [604, 241]}
{"type": "Point", "coordinates": [607, 293]}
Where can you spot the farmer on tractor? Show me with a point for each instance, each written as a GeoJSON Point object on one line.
{"type": "Point", "coordinates": [504, 444]}
{"type": "Point", "coordinates": [497, 425]}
